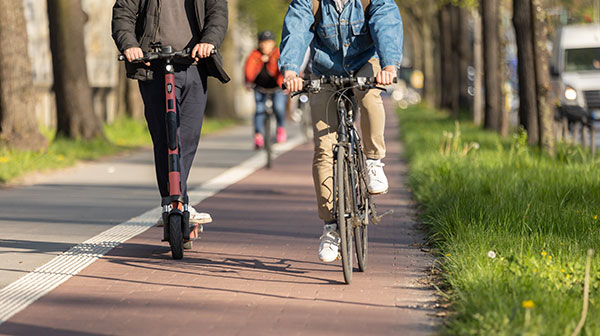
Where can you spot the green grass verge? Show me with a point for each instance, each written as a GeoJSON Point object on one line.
{"type": "Point", "coordinates": [511, 226]}
{"type": "Point", "coordinates": [124, 134]}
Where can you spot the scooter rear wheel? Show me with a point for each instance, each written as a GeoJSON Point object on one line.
{"type": "Point", "coordinates": [176, 236]}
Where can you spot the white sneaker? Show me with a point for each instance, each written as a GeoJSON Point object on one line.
{"type": "Point", "coordinates": [199, 217]}
{"type": "Point", "coordinates": [195, 217]}
{"type": "Point", "coordinates": [377, 183]}
{"type": "Point", "coordinates": [330, 242]}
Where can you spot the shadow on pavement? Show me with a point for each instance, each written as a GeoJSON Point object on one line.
{"type": "Point", "coordinates": [30, 246]}
{"type": "Point", "coordinates": [22, 329]}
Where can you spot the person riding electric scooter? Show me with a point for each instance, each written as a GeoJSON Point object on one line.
{"type": "Point", "coordinates": [199, 25]}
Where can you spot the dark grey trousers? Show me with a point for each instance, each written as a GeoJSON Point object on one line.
{"type": "Point", "coordinates": [190, 91]}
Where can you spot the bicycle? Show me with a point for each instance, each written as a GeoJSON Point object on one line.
{"type": "Point", "coordinates": [353, 204]}
{"type": "Point", "coordinates": [269, 114]}
{"type": "Point", "coordinates": [176, 215]}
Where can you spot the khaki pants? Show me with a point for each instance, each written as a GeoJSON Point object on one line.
{"type": "Point", "coordinates": [325, 125]}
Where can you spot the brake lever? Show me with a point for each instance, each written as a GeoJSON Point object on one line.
{"type": "Point", "coordinates": [297, 93]}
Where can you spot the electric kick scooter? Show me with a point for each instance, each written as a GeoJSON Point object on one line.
{"type": "Point", "coordinates": [175, 215]}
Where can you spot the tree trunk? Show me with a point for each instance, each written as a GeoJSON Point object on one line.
{"type": "Point", "coordinates": [448, 67]}
{"type": "Point", "coordinates": [542, 77]}
{"type": "Point", "coordinates": [135, 104]}
{"type": "Point", "coordinates": [463, 55]}
{"type": "Point", "coordinates": [437, 67]}
{"type": "Point", "coordinates": [75, 115]}
{"type": "Point", "coordinates": [429, 59]}
{"type": "Point", "coordinates": [129, 101]}
{"type": "Point", "coordinates": [502, 73]}
{"type": "Point", "coordinates": [491, 52]}
{"type": "Point", "coordinates": [18, 123]}
{"type": "Point", "coordinates": [528, 114]}
{"type": "Point", "coordinates": [222, 98]}
{"type": "Point", "coordinates": [478, 65]}
{"type": "Point", "coordinates": [415, 40]}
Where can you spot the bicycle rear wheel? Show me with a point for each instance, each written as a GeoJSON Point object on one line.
{"type": "Point", "coordinates": [344, 203]}
{"type": "Point", "coordinates": [268, 144]}
{"type": "Point", "coordinates": [176, 236]}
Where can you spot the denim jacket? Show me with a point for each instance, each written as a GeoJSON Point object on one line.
{"type": "Point", "coordinates": [341, 42]}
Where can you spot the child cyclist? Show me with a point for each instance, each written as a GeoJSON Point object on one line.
{"type": "Point", "coordinates": [196, 24]}
{"type": "Point", "coordinates": [263, 74]}
{"type": "Point", "coordinates": [345, 36]}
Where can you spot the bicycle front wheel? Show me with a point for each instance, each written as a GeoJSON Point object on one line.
{"type": "Point", "coordinates": [344, 204]}
{"type": "Point", "coordinates": [363, 206]}
{"type": "Point", "coordinates": [361, 240]}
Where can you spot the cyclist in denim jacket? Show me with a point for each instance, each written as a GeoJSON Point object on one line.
{"type": "Point", "coordinates": [346, 39]}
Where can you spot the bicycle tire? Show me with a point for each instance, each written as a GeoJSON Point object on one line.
{"type": "Point", "coordinates": [176, 236]}
{"type": "Point", "coordinates": [361, 230]}
{"type": "Point", "coordinates": [342, 203]}
{"type": "Point", "coordinates": [361, 242]}
{"type": "Point", "coordinates": [268, 145]}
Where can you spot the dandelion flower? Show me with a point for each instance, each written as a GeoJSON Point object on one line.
{"type": "Point", "coordinates": [61, 157]}
{"type": "Point", "coordinates": [448, 254]}
{"type": "Point", "coordinates": [562, 270]}
{"type": "Point", "coordinates": [492, 254]}
{"type": "Point", "coordinates": [544, 253]}
{"type": "Point", "coordinates": [568, 276]}
{"type": "Point", "coordinates": [3, 159]}
{"type": "Point", "coordinates": [549, 257]}
{"type": "Point", "coordinates": [595, 217]}
{"type": "Point", "coordinates": [528, 304]}
{"type": "Point", "coordinates": [535, 270]}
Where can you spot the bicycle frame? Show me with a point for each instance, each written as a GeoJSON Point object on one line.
{"type": "Point", "coordinates": [348, 137]}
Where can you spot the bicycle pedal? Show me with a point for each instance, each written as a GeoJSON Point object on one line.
{"type": "Point", "coordinates": [377, 219]}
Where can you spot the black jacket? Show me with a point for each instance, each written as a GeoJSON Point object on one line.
{"type": "Point", "coordinates": [135, 24]}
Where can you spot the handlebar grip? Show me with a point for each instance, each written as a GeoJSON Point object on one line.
{"type": "Point", "coordinates": [305, 83]}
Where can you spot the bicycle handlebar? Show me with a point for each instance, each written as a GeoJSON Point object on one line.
{"type": "Point", "coordinates": [164, 53]}
{"type": "Point", "coordinates": [361, 83]}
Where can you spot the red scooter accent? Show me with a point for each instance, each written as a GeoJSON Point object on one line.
{"type": "Point", "coordinates": [174, 171]}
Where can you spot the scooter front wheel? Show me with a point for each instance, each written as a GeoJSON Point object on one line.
{"type": "Point", "coordinates": [176, 236]}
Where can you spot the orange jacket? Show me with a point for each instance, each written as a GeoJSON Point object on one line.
{"type": "Point", "coordinates": [254, 65]}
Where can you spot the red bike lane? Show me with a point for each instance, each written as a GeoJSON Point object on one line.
{"type": "Point", "coordinates": [255, 270]}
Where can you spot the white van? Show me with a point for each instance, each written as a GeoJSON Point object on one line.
{"type": "Point", "coordinates": [575, 69]}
